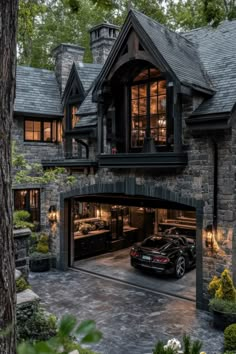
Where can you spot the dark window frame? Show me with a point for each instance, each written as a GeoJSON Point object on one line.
{"type": "Point", "coordinates": [42, 121]}
{"type": "Point", "coordinates": [28, 204]}
{"type": "Point", "coordinates": [147, 82]}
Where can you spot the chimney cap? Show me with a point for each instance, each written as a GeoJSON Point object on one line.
{"type": "Point", "coordinates": [104, 24]}
{"type": "Point", "coordinates": [64, 47]}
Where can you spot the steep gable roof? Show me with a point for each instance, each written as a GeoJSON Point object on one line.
{"type": "Point", "coordinates": [88, 73]}
{"type": "Point", "coordinates": [37, 92]}
{"type": "Point", "coordinates": [175, 53]}
{"type": "Point", "coordinates": [217, 50]}
{"type": "Point", "coordinates": [179, 53]}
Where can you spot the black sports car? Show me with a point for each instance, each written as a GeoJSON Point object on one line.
{"type": "Point", "coordinates": [170, 254]}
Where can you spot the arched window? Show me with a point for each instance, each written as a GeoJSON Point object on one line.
{"type": "Point", "coordinates": [148, 108]}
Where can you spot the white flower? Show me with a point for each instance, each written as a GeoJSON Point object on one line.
{"type": "Point", "coordinates": [173, 344]}
{"type": "Point", "coordinates": [74, 352]}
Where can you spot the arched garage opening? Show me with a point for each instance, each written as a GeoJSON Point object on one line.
{"type": "Point", "coordinates": [130, 196]}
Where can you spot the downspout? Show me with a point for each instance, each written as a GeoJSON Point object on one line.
{"type": "Point", "coordinates": [215, 188]}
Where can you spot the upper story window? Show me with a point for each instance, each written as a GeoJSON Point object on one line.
{"type": "Point", "coordinates": [74, 117]}
{"type": "Point", "coordinates": [148, 108]}
{"type": "Point", "coordinates": [42, 131]}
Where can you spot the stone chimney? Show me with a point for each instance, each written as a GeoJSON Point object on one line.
{"type": "Point", "coordinates": [65, 55]}
{"type": "Point", "coordinates": [102, 38]}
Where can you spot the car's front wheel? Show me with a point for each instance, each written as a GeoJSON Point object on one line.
{"type": "Point", "coordinates": [180, 267]}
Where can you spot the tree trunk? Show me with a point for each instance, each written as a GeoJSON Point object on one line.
{"type": "Point", "coordinates": [8, 24]}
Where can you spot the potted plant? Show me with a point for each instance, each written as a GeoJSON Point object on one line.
{"type": "Point", "coordinates": [223, 302]}
{"type": "Point", "coordinates": [40, 257]}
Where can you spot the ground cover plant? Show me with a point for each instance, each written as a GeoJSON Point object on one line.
{"type": "Point", "coordinates": [174, 346]}
{"type": "Point", "coordinates": [69, 338]}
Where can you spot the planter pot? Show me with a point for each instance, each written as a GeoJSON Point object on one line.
{"type": "Point", "coordinates": [221, 320]}
{"type": "Point", "coordinates": [40, 264]}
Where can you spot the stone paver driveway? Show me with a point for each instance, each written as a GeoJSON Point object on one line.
{"type": "Point", "coordinates": [131, 319]}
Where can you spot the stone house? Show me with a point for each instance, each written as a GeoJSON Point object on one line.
{"type": "Point", "coordinates": [149, 133]}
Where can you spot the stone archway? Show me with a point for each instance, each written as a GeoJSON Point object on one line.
{"type": "Point", "coordinates": [129, 187]}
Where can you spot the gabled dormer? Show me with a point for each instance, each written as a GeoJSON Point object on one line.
{"type": "Point", "coordinates": [140, 91]}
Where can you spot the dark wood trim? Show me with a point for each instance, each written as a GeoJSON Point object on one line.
{"type": "Point", "coordinates": [38, 115]}
{"type": "Point", "coordinates": [77, 163]}
{"type": "Point", "coordinates": [73, 81]}
{"type": "Point", "coordinates": [167, 160]}
{"type": "Point", "coordinates": [210, 122]}
{"type": "Point", "coordinates": [177, 121]}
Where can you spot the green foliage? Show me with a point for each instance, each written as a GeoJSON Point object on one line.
{"type": "Point", "coordinates": [222, 305]}
{"type": "Point", "coordinates": [185, 15]}
{"type": "Point", "coordinates": [34, 173]}
{"type": "Point", "coordinates": [63, 341]}
{"type": "Point", "coordinates": [159, 349]}
{"type": "Point", "coordinates": [42, 248]}
{"type": "Point", "coordinates": [21, 284]}
{"type": "Point", "coordinates": [226, 290]}
{"type": "Point", "coordinates": [214, 286]}
{"type": "Point", "coordinates": [223, 287]}
{"type": "Point", "coordinates": [189, 14]}
{"type": "Point", "coordinates": [230, 337]}
{"type": "Point", "coordinates": [39, 326]}
{"type": "Point", "coordinates": [173, 346]}
{"type": "Point", "coordinates": [21, 220]}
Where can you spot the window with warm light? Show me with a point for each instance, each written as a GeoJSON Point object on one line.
{"type": "Point", "coordinates": [28, 199]}
{"type": "Point", "coordinates": [74, 117]}
{"type": "Point", "coordinates": [43, 131]}
{"type": "Point", "coordinates": [148, 108]}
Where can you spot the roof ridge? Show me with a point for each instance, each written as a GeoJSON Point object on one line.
{"type": "Point", "coordinates": [179, 34]}
{"type": "Point", "coordinates": [209, 26]}
{"type": "Point", "coordinates": [32, 68]}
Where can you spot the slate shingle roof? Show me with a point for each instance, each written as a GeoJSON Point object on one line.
{"type": "Point", "coordinates": [88, 73]}
{"type": "Point", "coordinates": [88, 109]}
{"type": "Point", "coordinates": [37, 92]}
{"type": "Point", "coordinates": [179, 53]}
{"type": "Point", "coordinates": [217, 51]}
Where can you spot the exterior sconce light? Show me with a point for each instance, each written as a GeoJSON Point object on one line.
{"type": "Point", "coordinates": [209, 236]}
{"type": "Point", "coordinates": [52, 214]}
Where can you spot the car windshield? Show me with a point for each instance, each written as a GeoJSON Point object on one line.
{"type": "Point", "coordinates": [155, 242]}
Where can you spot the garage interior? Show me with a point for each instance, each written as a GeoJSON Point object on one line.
{"type": "Point", "coordinates": [104, 227]}
{"type": "Point", "coordinates": [103, 224]}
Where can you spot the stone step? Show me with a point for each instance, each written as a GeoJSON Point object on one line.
{"type": "Point", "coordinates": [27, 296]}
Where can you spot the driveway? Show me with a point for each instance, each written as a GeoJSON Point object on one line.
{"type": "Point", "coordinates": [131, 319]}
{"type": "Point", "coordinates": [116, 265]}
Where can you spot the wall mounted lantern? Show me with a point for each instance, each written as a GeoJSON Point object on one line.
{"type": "Point", "coordinates": [209, 236]}
{"type": "Point", "coordinates": [52, 214]}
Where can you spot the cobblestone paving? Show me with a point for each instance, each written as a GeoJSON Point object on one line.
{"type": "Point", "coordinates": [131, 320]}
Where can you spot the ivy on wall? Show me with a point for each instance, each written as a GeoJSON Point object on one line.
{"type": "Point", "coordinates": [33, 173]}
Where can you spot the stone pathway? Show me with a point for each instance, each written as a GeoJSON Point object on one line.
{"type": "Point", "coordinates": [132, 320]}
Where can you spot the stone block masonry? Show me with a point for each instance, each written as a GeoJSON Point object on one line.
{"type": "Point", "coordinates": [21, 241]}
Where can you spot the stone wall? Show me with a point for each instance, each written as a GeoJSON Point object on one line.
{"type": "Point", "coordinates": [196, 181]}
{"type": "Point", "coordinates": [21, 241]}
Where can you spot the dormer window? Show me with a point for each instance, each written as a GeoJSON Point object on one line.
{"type": "Point", "coordinates": [148, 108]}
{"type": "Point", "coordinates": [74, 117]}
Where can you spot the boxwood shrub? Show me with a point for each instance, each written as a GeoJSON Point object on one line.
{"type": "Point", "coordinates": [230, 338]}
